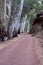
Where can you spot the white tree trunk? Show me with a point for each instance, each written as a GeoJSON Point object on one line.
{"type": "Point", "coordinates": [16, 21]}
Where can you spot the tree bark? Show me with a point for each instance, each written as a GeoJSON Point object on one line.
{"type": "Point", "coordinates": [15, 18]}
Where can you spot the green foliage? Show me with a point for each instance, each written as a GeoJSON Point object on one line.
{"type": "Point", "coordinates": [32, 15]}
{"type": "Point", "coordinates": [26, 25]}
{"type": "Point", "coordinates": [32, 7]}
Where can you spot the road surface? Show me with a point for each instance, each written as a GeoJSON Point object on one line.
{"type": "Point", "coordinates": [21, 52]}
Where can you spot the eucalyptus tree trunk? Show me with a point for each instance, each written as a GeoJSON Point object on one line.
{"type": "Point", "coordinates": [15, 17]}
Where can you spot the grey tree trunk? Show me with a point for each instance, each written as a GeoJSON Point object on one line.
{"type": "Point", "coordinates": [15, 19]}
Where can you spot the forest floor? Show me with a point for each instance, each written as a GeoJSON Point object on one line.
{"type": "Point", "coordinates": [22, 50]}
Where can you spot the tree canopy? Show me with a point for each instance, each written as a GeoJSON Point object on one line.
{"type": "Point", "coordinates": [32, 7]}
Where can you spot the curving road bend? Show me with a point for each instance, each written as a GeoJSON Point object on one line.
{"type": "Point", "coordinates": [22, 52]}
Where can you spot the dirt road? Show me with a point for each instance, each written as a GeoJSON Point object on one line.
{"type": "Point", "coordinates": [21, 52]}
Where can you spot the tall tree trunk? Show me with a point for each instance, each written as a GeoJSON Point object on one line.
{"type": "Point", "coordinates": [15, 18]}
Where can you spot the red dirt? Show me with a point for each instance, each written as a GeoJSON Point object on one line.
{"type": "Point", "coordinates": [21, 52]}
